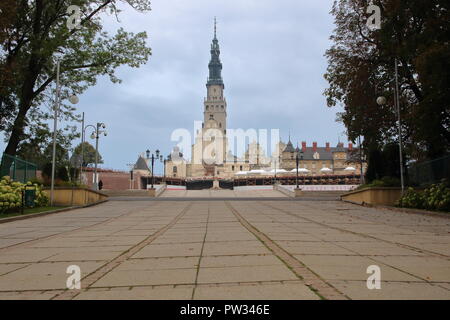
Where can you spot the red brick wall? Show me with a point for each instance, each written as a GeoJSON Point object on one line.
{"type": "Point", "coordinates": [115, 180]}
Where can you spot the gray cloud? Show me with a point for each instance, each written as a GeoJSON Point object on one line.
{"type": "Point", "coordinates": [272, 52]}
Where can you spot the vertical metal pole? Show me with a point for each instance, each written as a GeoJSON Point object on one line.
{"type": "Point", "coordinates": [55, 127]}
{"type": "Point", "coordinates": [165, 161]}
{"type": "Point", "coordinates": [153, 169]}
{"type": "Point", "coordinates": [82, 150]}
{"type": "Point", "coordinates": [97, 136]}
{"type": "Point", "coordinates": [400, 139]}
{"type": "Point", "coordinates": [276, 171]}
{"type": "Point", "coordinates": [296, 161]}
{"type": "Point", "coordinates": [361, 161]}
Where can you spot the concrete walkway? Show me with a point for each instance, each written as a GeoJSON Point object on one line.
{"type": "Point", "coordinates": [226, 250]}
{"type": "Point", "coordinates": [267, 192]}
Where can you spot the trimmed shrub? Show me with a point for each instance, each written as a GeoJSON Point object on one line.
{"type": "Point", "coordinates": [435, 198]}
{"type": "Point", "coordinates": [11, 195]}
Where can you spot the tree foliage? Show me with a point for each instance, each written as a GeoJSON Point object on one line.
{"type": "Point", "coordinates": [361, 68]}
{"type": "Point", "coordinates": [88, 154]}
{"type": "Point", "coordinates": [34, 35]}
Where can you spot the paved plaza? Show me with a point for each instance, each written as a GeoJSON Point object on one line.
{"type": "Point", "coordinates": [251, 245]}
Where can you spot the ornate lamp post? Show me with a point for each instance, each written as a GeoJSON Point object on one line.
{"type": "Point", "coordinates": [298, 157]}
{"type": "Point", "coordinates": [156, 156]}
{"type": "Point", "coordinates": [74, 100]}
{"type": "Point", "coordinates": [99, 130]}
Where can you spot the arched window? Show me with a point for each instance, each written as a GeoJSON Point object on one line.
{"type": "Point", "coordinates": [207, 108]}
{"type": "Point", "coordinates": [175, 169]}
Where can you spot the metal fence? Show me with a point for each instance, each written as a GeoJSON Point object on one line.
{"type": "Point", "coordinates": [17, 169]}
{"type": "Point", "coordinates": [429, 172]}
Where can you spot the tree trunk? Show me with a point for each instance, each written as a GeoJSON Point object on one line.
{"type": "Point", "coordinates": [18, 128]}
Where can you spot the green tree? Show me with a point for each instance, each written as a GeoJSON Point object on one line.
{"type": "Point", "coordinates": [37, 37]}
{"type": "Point", "coordinates": [38, 147]}
{"type": "Point", "coordinates": [361, 67]}
{"type": "Point", "coordinates": [88, 154]}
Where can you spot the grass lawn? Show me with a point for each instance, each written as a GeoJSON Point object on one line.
{"type": "Point", "coordinates": [29, 211]}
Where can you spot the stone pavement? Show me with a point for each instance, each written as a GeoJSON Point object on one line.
{"type": "Point", "coordinates": [250, 193]}
{"type": "Point", "coordinates": [260, 249]}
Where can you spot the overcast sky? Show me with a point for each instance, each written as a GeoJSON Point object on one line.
{"type": "Point", "coordinates": [273, 65]}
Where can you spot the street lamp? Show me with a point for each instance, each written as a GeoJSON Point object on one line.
{"type": "Point", "coordinates": [156, 156]}
{"type": "Point", "coordinates": [298, 157]}
{"type": "Point", "coordinates": [382, 101]}
{"type": "Point", "coordinates": [99, 130]}
{"type": "Point", "coordinates": [74, 100]}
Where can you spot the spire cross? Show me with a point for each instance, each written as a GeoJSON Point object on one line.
{"type": "Point", "coordinates": [215, 27]}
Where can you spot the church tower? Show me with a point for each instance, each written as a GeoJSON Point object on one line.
{"type": "Point", "coordinates": [215, 105]}
{"type": "Point", "coordinates": [211, 143]}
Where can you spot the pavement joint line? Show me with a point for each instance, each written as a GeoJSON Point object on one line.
{"type": "Point", "coordinates": [14, 270]}
{"type": "Point", "coordinates": [326, 291]}
{"type": "Point", "coordinates": [181, 285]}
{"type": "Point", "coordinates": [201, 253]}
{"type": "Point", "coordinates": [431, 253]}
{"type": "Point", "coordinates": [36, 240]}
{"type": "Point", "coordinates": [96, 275]}
{"type": "Point", "coordinates": [371, 257]}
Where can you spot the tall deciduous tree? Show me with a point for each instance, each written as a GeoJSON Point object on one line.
{"type": "Point", "coordinates": [35, 36]}
{"type": "Point", "coordinates": [361, 67]}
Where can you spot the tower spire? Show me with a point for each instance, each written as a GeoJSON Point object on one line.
{"type": "Point", "coordinates": [215, 28]}
{"type": "Point", "coordinates": [215, 66]}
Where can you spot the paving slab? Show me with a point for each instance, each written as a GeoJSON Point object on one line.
{"type": "Point", "coordinates": [391, 290]}
{"type": "Point", "coordinates": [266, 291]}
{"type": "Point", "coordinates": [139, 293]}
{"type": "Point", "coordinates": [173, 249]}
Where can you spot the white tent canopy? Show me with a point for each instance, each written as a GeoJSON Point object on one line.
{"type": "Point", "coordinates": [350, 169]}
{"type": "Point", "coordinates": [300, 170]}
{"type": "Point", "coordinates": [326, 170]}
{"type": "Point", "coordinates": [278, 171]}
{"type": "Point", "coordinates": [241, 173]}
{"type": "Point", "coordinates": [257, 172]}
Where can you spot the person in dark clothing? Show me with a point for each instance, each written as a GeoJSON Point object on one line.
{"type": "Point", "coordinates": [100, 185]}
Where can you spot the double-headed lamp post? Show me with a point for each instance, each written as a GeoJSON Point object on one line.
{"type": "Point", "coordinates": [156, 156]}
{"type": "Point", "coordinates": [298, 157]}
{"type": "Point", "coordinates": [99, 130]}
{"type": "Point", "coordinates": [382, 101]}
{"type": "Point", "coordinates": [74, 100]}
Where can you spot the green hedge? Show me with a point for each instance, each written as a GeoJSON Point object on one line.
{"type": "Point", "coordinates": [435, 198]}
{"type": "Point", "coordinates": [11, 195]}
